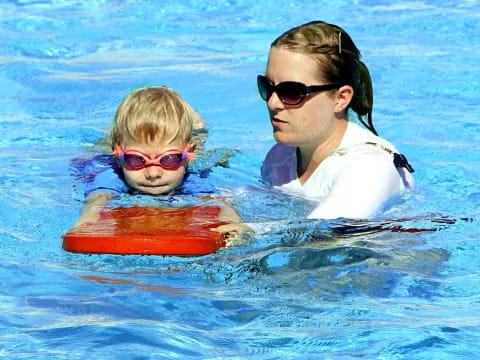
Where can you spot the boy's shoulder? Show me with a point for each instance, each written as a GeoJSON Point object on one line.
{"type": "Point", "coordinates": [195, 184]}
{"type": "Point", "coordinates": [99, 173]}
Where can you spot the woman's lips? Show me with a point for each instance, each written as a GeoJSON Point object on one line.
{"type": "Point", "coordinates": [277, 122]}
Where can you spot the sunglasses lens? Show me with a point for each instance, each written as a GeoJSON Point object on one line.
{"type": "Point", "coordinates": [264, 87]}
{"type": "Point", "coordinates": [134, 161]}
{"type": "Point", "coordinates": [172, 161]}
{"type": "Point", "coordinates": [291, 93]}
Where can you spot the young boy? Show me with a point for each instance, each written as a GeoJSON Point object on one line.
{"type": "Point", "coordinates": [152, 143]}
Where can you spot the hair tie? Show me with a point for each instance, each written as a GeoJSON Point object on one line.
{"type": "Point", "coordinates": [340, 42]}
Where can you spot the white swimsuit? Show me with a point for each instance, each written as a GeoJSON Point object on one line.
{"type": "Point", "coordinates": [354, 181]}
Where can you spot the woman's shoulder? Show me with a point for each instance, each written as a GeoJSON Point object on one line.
{"type": "Point", "coordinates": [368, 153]}
{"type": "Point", "coordinates": [280, 164]}
{"type": "Point", "coordinates": [360, 146]}
{"type": "Point", "coordinates": [279, 153]}
{"type": "Point", "coordinates": [356, 136]}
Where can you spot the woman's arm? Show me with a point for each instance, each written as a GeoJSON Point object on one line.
{"type": "Point", "coordinates": [361, 188]}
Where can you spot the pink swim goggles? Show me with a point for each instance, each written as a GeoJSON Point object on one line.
{"type": "Point", "coordinates": [169, 160]}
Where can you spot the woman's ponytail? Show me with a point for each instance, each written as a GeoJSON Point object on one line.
{"type": "Point", "coordinates": [362, 102]}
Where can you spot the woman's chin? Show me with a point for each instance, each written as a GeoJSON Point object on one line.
{"type": "Point", "coordinates": [284, 138]}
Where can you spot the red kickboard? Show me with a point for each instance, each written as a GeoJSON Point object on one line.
{"type": "Point", "coordinates": [183, 231]}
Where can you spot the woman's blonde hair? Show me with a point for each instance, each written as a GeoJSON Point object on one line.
{"type": "Point", "coordinates": [338, 61]}
{"type": "Point", "coordinates": [152, 112]}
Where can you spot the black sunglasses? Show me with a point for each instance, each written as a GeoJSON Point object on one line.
{"type": "Point", "coordinates": [289, 92]}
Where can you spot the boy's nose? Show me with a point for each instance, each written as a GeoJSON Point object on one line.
{"type": "Point", "coordinates": [153, 172]}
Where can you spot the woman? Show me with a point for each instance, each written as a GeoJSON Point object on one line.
{"type": "Point", "coordinates": [314, 78]}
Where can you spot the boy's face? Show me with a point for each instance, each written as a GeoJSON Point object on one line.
{"type": "Point", "coordinates": [154, 179]}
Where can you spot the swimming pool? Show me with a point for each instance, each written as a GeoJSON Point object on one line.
{"type": "Point", "coordinates": [302, 290]}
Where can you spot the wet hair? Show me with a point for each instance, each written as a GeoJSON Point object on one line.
{"type": "Point", "coordinates": [152, 112]}
{"type": "Point", "coordinates": [338, 61]}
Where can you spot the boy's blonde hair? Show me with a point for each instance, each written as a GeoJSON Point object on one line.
{"type": "Point", "coordinates": [152, 112]}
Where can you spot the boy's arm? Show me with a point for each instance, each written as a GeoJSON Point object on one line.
{"type": "Point", "coordinates": [93, 204]}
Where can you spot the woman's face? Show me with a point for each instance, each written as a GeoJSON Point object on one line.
{"type": "Point", "coordinates": [154, 180]}
{"type": "Point", "coordinates": [313, 121]}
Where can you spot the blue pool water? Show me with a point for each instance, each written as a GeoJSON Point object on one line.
{"type": "Point", "coordinates": [301, 290]}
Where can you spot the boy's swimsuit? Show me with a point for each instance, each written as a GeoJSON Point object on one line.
{"type": "Point", "coordinates": [354, 181]}
{"type": "Point", "coordinates": [102, 174]}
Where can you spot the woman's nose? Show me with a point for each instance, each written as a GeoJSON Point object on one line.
{"type": "Point", "coordinates": [274, 102]}
{"type": "Point", "coordinates": [153, 172]}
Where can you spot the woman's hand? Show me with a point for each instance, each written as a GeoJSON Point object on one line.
{"type": "Point", "coordinates": [236, 234]}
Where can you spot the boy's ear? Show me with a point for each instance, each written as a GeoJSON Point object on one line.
{"type": "Point", "coordinates": [191, 151]}
{"type": "Point", "coordinates": [191, 146]}
{"type": "Point", "coordinates": [116, 150]}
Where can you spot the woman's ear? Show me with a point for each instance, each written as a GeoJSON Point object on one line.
{"type": "Point", "coordinates": [344, 97]}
